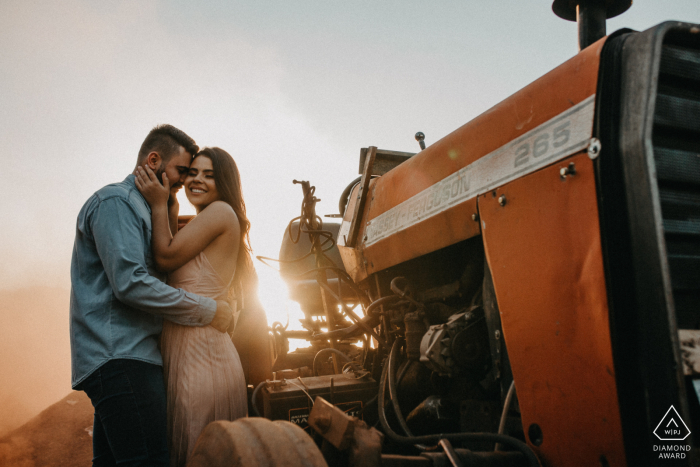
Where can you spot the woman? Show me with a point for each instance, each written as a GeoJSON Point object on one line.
{"type": "Point", "coordinates": [203, 373]}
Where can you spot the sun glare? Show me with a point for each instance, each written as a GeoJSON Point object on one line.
{"type": "Point", "coordinates": [274, 297]}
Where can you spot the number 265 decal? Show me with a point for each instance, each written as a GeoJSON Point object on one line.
{"type": "Point", "coordinates": [541, 144]}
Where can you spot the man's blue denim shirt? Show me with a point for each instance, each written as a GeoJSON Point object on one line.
{"type": "Point", "coordinates": [118, 298]}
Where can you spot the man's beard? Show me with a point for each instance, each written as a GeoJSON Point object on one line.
{"type": "Point", "coordinates": [159, 174]}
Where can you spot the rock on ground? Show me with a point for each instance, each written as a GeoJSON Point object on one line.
{"type": "Point", "coordinates": [60, 436]}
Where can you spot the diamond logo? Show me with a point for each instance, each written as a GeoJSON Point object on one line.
{"type": "Point", "coordinates": [672, 427]}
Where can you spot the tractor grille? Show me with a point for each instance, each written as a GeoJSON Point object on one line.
{"type": "Point", "coordinates": [646, 291]}
{"type": "Point", "coordinates": [676, 140]}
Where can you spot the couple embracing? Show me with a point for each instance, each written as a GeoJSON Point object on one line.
{"type": "Point", "coordinates": [151, 305]}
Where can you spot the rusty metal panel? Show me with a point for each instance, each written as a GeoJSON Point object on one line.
{"type": "Point", "coordinates": [455, 222]}
{"type": "Point", "coordinates": [385, 160]}
{"type": "Point", "coordinates": [561, 136]}
{"type": "Point", "coordinates": [542, 242]}
{"type": "Point", "coordinates": [548, 97]}
{"type": "Point", "coordinates": [353, 259]}
{"type": "Point", "coordinates": [361, 200]}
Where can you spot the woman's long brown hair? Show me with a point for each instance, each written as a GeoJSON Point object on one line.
{"type": "Point", "coordinates": [228, 184]}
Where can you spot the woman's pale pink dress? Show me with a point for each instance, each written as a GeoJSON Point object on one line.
{"type": "Point", "coordinates": [203, 374]}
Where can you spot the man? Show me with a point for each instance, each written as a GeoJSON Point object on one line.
{"type": "Point", "coordinates": [118, 301]}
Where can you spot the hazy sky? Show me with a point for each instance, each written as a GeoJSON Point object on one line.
{"type": "Point", "coordinates": [292, 89]}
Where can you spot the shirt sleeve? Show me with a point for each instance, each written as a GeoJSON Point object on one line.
{"type": "Point", "coordinates": [118, 233]}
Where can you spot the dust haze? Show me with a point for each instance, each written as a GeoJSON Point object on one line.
{"type": "Point", "coordinates": [34, 352]}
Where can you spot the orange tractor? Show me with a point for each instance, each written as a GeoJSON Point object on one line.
{"type": "Point", "coordinates": [525, 290]}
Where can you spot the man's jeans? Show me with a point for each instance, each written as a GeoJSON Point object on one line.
{"type": "Point", "coordinates": [130, 427]}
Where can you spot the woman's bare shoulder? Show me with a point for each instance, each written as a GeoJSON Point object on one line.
{"type": "Point", "coordinates": [220, 211]}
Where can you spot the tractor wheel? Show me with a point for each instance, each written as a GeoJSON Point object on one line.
{"type": "Point", "coordinates": [255, 442]}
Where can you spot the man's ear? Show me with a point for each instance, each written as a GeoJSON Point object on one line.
{"type": "Point", "coordinates": [153, 160]}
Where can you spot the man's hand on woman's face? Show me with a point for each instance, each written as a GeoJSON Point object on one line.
{"type": "Point", "coordinates": [151, 188]}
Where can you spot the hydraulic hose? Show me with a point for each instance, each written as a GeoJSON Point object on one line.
{"type": "Point", "coordinates": [368, 404]}
{"type": "Point", "coordinates": [393, 393]}
{"type": "Point", "coordinates": [346, 194]}
{"type": "Point", "coordinates": [434, 439]}
{"type": "Point", "coordinates": [402, 372]}
{"type": "Point", "coordinates": [352, 315]}
{"type": "Point", "coordinates": [506, 407]}
{"type": "Point", "coordinates": [388, 300]}
{"type": "Point", "coordinates": [254, 397]}
{"type": "Point", "coordinates": [388, 373]}
{"type": "Point", "coordinates": [335, 351]}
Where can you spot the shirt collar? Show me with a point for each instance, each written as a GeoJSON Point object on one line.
{"type": "Point", "coordinates": [131, 181]}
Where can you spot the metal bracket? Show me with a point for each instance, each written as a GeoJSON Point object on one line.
{"type": "Point", "coordinates": [361, 198]}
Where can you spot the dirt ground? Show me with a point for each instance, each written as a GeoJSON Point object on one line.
{"type": "Point", "coordinates": [60, 436]}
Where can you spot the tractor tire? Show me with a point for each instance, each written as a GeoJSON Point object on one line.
{"type": "Point", "coordinates": [257, 442]}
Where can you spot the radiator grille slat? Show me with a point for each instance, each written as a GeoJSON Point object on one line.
{"type": "Point", "coordinates": [674, 227]}
{"type": "Point", "coordinates": [681, 62]}
{"type": "Point", "coordinates": [681, 205]}
{"type": "Point", "coordinates": [677, 112]}
{"type": "Point", "coordinates": [677, 166]}
{"type": "Point", "coordinates": [677, 155]}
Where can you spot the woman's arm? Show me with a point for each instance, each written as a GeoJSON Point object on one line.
{"type": "Point", "coordinates": [173, 211]}
{"type": "Point", "coordinates": [170, 252]}
{"type": "Point", "coordinates": [216, 219]}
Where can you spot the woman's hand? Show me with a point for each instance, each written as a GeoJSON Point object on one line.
{"type": "Point", "coordinates": [151, 189]}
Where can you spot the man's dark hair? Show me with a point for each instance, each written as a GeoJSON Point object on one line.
{"type": "Point", "coordinates": [166, 140]}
